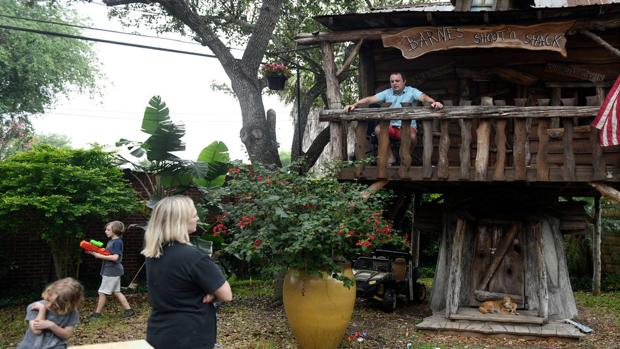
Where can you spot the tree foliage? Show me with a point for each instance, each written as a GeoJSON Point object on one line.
{"type": "Point", "coordinates": [58, 193]}
{"type": "Point", "coordinates": [250, 24]}
{"type": "Point", "coordinates": [35, 68]}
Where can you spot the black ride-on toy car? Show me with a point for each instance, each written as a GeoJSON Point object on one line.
{"type": "Point", "coordinates": [387, 275]}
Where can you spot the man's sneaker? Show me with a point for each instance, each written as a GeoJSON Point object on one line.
{"type": "Point", "coordinates": [94, 316]}
{"type": "Point", "coordinates": [128, 313]}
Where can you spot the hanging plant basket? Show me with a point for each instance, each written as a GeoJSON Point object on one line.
{"type": "Point", "coordinates": [276, 82]}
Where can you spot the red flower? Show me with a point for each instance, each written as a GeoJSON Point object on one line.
{"type": "Point", "coordinates": [257, 243]}
{"type": "Point", "coordinates": [219, 229]}
{"type": "Point", "coordinates": [259, 178]}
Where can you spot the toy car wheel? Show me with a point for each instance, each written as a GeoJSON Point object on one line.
{"type": "Point", "coordinates": [419, 293]}
{"type": "Point", "coordinates": [389, 300]}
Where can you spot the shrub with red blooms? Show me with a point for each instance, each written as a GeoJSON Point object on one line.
{"type": "Point", "coordinates": [299, 221]}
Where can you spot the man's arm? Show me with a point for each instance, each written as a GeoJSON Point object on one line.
{"type": "Point", "coordinates": [365, 100]}
{"type": "Point", "coordinates": [434, 103]}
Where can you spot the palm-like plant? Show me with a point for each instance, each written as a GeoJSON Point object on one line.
{"type": "Point", "coordinates": [166, 173]}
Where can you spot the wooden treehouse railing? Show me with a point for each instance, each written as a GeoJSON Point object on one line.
{"type": "Point", "coordinates": [504, 143]}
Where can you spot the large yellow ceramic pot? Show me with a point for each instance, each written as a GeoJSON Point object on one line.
{"type": "Point", "coordinates": [318, 309]}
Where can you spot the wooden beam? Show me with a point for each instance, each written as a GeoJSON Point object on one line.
{"type": "Point", "coordinates": [596, 246]}
{"type": "Point", "coordinates": [607, 191]}
{"type": "Point", "coordinates": [427, 149]}
{"type": "Point", "coordinates": [456, 269]}
{"type": "Point", "coordinates": [360, 145]}
{"type": "Point", "coordinates": [464, 153]}
{"type": "Point", "coordinates": [384, 149]}
{"type": "Point", "coordinates": [459, 112]}
{"type": "Point", "coordinates": [518, 152]}
{"type": "Point", "coordinates": [405, 148]}
{"type": "Point", "coordinates": [373, 188]}
{"type": "Point", "coordinates": [481, 164]}
{"type": "Point", "coordinates": [569, 154]}
{"type": "Point", "coordinates": [444, 145]}
{"type": "Point", "coordinates": [542, 167]}
{"type": "Point", "coordinates": [500, 158]}
{"type": "Point", "coordinates": [541, 270]}
{"type": "Point", "coordinates": [600, 41]}
{"type": "Point", "coordinates": [598, 162]}
{"type": "Point", "coordinates": [350, 58]}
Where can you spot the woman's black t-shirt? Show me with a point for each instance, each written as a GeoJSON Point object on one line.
{"type": "Point", "coordinates": [177, 282]}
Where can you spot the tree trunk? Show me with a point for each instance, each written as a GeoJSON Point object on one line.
{"type": "Point", "coordinates": [255, 134]}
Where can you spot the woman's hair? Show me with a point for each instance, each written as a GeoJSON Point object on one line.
{"type": "Point", "coordinates": [117, 227]}
{"type": "Point", "coordinates": [69, 295]}
{"type": "Point", "coordinates": [169, 222]}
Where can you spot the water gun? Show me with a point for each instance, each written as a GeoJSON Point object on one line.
{"type": "Point", "coordinates": [94, 246]}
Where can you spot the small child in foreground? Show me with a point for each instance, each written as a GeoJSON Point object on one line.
{"type": "Point", "coordinates": [51, 320]}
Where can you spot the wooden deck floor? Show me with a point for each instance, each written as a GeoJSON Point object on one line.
{"type": "Point", "coordinates": [556, 329]}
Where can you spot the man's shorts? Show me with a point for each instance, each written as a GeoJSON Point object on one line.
{"type": "Point", "coordinates": [110, 284]}
{"type": "Point", "coordinates": [394, 132]}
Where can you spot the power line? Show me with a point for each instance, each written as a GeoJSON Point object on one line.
{"type": "Point", "coordinates": [107, 30]}
{"type": "Point", "coordinates": [87, 38]}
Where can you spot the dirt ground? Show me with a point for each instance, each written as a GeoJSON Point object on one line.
{"type": "Point", "coordinates": [254, 322]}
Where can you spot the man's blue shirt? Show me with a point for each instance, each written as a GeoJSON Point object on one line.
{"type": "Point", "coordinates": [408, 95]}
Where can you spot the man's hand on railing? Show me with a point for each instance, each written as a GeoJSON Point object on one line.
{"type": "Point", "coordinates": [349, 108]}
{"type": "Point", "coordinates": [436, 105]}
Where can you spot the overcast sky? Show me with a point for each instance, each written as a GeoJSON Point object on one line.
{"type": "Point", "coordinates": [134, 75]}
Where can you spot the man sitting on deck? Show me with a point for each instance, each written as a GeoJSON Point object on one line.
{"type": "Point", "coordinates": [396, 95]}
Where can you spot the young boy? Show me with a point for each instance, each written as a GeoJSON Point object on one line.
{"type": "Point", "coordinates": [112, 270]}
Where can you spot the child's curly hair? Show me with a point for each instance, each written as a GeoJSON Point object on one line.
{"type": "Point", "coordinates": [69, 295]}
{"type": "Point", "coordinates": [117, 227]}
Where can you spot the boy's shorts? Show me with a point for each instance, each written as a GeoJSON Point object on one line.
{"type": "Point", "coordinates": [110, 284]}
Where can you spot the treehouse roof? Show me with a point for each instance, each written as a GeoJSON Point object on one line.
{"type": "Point", "coordinates": [414, 17]}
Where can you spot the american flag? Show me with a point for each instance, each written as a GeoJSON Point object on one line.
{"type": "Point", "coordinates": [607, 117]}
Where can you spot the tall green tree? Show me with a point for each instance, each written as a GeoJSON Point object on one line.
{"type": "Point", "coordinates": [218, 23]}
{"type": "Point", "coordinates": [58, 193]}
{"type": "Point", "coordinates": [36, 69]}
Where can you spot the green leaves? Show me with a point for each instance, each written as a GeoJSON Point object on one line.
{"type": "Point", "coordinates": [58, 192]}
{"type": "Point", "coordinates": [299, 221]}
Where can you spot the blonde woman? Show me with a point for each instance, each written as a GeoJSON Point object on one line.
{"type": "Point", "coordinates": [183, 282]}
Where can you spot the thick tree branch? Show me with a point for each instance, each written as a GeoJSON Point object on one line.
{"type": "Point", "coordinates": [316, 148]}
{"type": "Point", "coordinates": [306, 104]}
{"type": "Point", "coordinates": [263, 32]}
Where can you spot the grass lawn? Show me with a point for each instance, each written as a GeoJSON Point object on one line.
{"type": "Point", "coordinates": [253, 321]}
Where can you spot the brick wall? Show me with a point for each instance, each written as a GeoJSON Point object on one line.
{"type": "Point", "coordinates": [27, 260]}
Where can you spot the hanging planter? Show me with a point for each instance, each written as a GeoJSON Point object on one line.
{"type": "Point", "coordinates": [276, 82]}
{"type": "Point", "coordinates": [276, 75]}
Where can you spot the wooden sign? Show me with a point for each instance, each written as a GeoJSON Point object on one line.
{"type": "Point", "coordinates": [417, 41]}
{"type": "Point", "coordinates": [574, 72]}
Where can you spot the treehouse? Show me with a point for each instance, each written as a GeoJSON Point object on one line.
{"type": "Point", "coordinates": [521, 84]}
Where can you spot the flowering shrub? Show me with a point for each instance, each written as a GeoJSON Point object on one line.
{"type": "Point", "coordinates": [270, 69]}
{"type": "Point", "coordinates": [297, 221]}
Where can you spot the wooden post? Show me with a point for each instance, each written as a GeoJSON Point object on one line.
{"type": "Point", "coordinates": [596, 246]}
{"type": "Point", "coordinates": [541, 269]}
{"type": "Point", "coordinates": [456, 269]}
{"type": "Point", "coordinates": [556, 95]}
{"type": "Point", "coordinates": [500, 157]}
{"type": "Point", "coordinates": [569, 154]}
{"type": "Point", "coordinates": [427, 150]}
{"type": "Point", "coordinates": [384, 149]}
{"type": "Point", "coordinates": [405, 148]}
{"type": "Point", "coordinates": [518, 150]}
{"type": "Point", "coordinates": [360, 146]}
{"type": "Point", "coordinates": [483, 134]}
{"type": "Point", "coordinates": [542, 168]}
{"type": "Point", "coordinates": [333, 99]}
{"type": "Point", "coordinates": [443, 166]}
{"type": "Point", "coordinates": [464, 152]}
{"type": "Point", "coordinates": [598, 162]}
